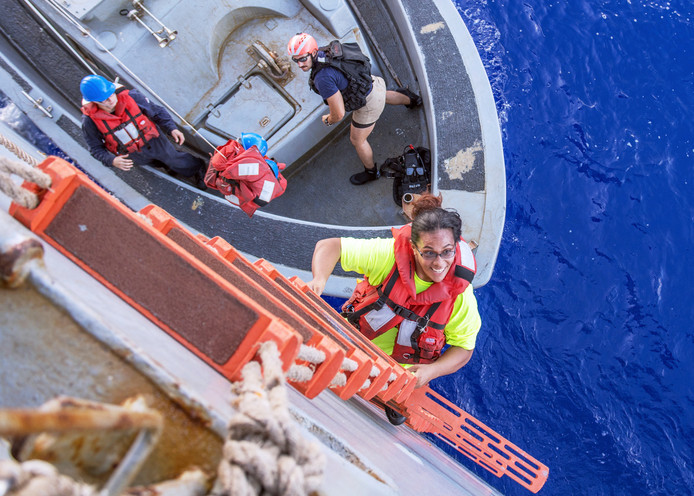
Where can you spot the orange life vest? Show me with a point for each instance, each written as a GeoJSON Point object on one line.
{"type": "Point", "coordinates": [127, 129]}
{"type": "Point", "coordinates": [420, 318]}
{"type": "Point", "coordinates": [244, 177]}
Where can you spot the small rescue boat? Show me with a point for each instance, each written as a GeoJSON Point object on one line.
{"type": "Point", "coordinates": [221, 69]}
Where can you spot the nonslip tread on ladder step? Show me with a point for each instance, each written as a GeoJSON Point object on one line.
{"type": "Point", "coordinates": [355, 379]}
{"type": "Point", "coordinates": [264, 294]}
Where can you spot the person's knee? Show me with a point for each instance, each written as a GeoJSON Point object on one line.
{"type": "Point", "coordinates": [358, 137]}
{"type": "Point", "coordinates": [357, 141]}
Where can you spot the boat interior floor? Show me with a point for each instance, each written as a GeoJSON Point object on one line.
{"type": "Point", "coordinates": [318, 186]}
{"type": "Point", "coordinates": [319, 189]}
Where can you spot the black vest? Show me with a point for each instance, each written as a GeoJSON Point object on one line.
{"type": "Point", "coordinates": [348, 59]}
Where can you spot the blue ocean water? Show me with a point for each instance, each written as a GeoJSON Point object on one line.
{"type": "Point", "coordinates": [585, 356]}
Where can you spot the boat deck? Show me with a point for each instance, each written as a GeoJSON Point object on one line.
{"type": "Point", "coordinates": [318, 190]}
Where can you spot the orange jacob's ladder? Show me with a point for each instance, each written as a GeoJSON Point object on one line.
{"type": "Point", "coordinates": [213, 281]}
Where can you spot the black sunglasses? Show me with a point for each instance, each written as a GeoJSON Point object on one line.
{"type": "Point", "coordinates": [298, 60]}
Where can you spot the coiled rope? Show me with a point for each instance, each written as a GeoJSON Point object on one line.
{"type": "Point", "coordinates": [38, 478]}
{"type": "Point", "coordinates": [265, 452]}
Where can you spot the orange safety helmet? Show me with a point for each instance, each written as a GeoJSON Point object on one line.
{"type": "Point", "coordinates": [301, 44]}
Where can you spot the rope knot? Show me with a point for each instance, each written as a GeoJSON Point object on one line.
{"type": "Point", "coordinates": [265, 452]}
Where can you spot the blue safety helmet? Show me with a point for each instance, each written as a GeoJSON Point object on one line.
{"type": "Point", "coordinates": [273, 165]}
{"type": "Point", "coordinates": [96, 88]}
{"type": "Point", "coordinates": [250, 139]}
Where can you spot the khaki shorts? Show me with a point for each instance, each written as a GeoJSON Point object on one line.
{"type": "Point", "coordinates": [375, 103]}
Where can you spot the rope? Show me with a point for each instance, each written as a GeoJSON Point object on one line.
{"type": "Point", "coordinates": [390, 379]}
{"type": "Point", "coordinates": [349, 365]}
{"type": "Point", "coordinates": [19, 195]}
{"type": "Point", "coordinates": [311, 355]}
{"type": "Point", "coordinates": [374, 372]}
{"type": "Point", "coordinates": [265, 452]}
{"type": "Point", "coordinates": [21, 154]}
{"type": "Point", "coordinates": [299, 373]}
{"type": "Point", "coordinates": [38, 478]}
{"type": "Point", "coordinates": [304, 373]}
{"type": "Point", "coordinates": [339, 380]}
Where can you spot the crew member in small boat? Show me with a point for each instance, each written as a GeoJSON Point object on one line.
{"type": "Point", "coordinates": [341, 75]}
{"type": "Point", "coordinates": [417, 293]}
{"type": "Point", "coordinates": [122, 129]}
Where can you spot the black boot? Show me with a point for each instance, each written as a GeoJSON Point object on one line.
{"type": "Point", "coordinates": [415, 99]}
{"type": "Point", "coordinates": [198, 179]}
{"type": "Point", "coordinates": [365, 176]}
{"type": "Point", "coordinates": [394, 417]}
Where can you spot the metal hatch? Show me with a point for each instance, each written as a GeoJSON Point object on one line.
{"type": "Point", "coordinates": [256, 107]}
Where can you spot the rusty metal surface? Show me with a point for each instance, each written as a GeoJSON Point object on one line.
{"type": "Point", "coordinates": [66, 414]}
{"type": "Point", "coordinates": [79, 436]}
{"type": "Point", "coordinates": [14, 260]}
{"type": "Point", "coordinates": [52, 356]}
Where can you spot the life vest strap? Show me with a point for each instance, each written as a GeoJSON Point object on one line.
{"type": "Point", "coordinates": [414, 339]}
{"type": "Point", "coordinates": [133, 119]}
{"type": "Point", "coordinates": [399, 310]}
{"type": "Point", "coordinates": [403, 312]}
{"type": "Point", "coordinates": [464, 273]}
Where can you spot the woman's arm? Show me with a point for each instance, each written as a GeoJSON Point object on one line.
{"type": "Point", "coordinates": [325, 257]}
{"type": "Point", "coordinates": [452, 360]}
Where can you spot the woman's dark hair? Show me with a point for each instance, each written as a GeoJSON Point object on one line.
{"type": "Point", "coordinates": [429, 216]}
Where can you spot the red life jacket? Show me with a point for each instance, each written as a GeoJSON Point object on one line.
{"type": "Point", "coordinates": [420, 318]}
{"type": "Point", "coordinates": [244, 177]}
{"type": "Point", "coordinates": [127, 129]}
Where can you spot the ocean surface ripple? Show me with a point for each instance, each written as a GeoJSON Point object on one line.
{"type": "Point", "coordinates": [585, 356]}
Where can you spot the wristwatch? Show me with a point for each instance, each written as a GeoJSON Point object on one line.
{"type": "Point", "coordinates": [327, 121]}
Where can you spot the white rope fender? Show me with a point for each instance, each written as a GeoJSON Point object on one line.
{"type": "Point", "coordinates": [340, 378]}
{"type": "Point", "coordinates": [390, 379]}
{"type": "Point", "coordinates": [304, 373]}
{"type": "Point", "coordinates": [265, 452]}
{"type": "Point", "coordinates": [374, 372]}
{"type": "Point", "coordinates": [38, 478]}
{"type": "Point", "coordinates": [18, 194]}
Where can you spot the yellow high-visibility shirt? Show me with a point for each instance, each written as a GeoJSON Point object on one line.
{"type": "Point", "coordinates": [375, 258]}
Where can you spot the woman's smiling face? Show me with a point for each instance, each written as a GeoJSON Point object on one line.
{"type": "Point", "coordinates": [439, 242]}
